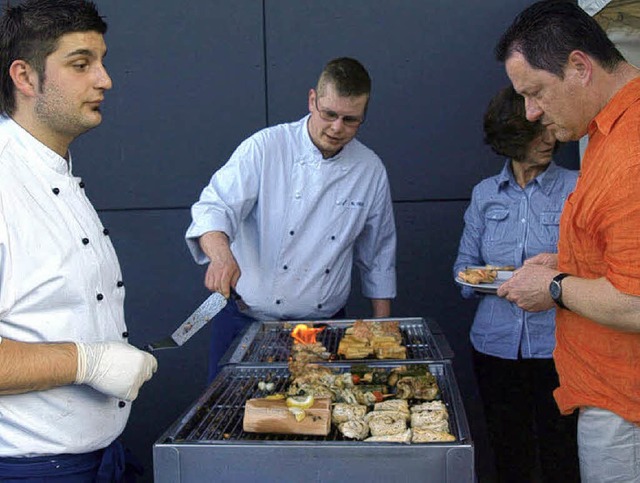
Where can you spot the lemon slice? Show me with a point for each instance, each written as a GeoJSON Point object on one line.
{"type": "Point", "coordinates": [275, 396]}
{"type": "Point", "coordinates": [301, 402]}
{"type": "Point", "coordinates": [298, 413]}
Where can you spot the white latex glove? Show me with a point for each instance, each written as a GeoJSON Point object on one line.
{"type": "Point", "coordinates": [114, 368]}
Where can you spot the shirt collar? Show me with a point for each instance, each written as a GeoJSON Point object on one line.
{"type": "Point", "coordinates": [36, 149]}
{"type": "Point", "coordinates": [616, 107]}
{"type": "Point", "coordinates": [544, 180]}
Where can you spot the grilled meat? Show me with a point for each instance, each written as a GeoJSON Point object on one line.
{"type": "Point", "coordinates": [417, 387]}
{"type": "Point", "coordinates": [354, 428]}
{"type": "Point", "coordinates": [384, 423]}
{"type": "Point", "coordinates": [404, 437]}
{"type": "Point", "coordinates": [343, 412]}
{"type": "Point", "coordinates": [395, 405]}
{"type": "Point", "coordinates": [421, 435]}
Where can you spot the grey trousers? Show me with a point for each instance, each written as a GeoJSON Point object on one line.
{"type": "Point", "coordinates": [608, 446]}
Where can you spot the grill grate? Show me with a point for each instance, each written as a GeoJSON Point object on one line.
{"type": "Point", "coordinates": [217, 416]}
{"type": "Point", "coordinates": [270, 341]}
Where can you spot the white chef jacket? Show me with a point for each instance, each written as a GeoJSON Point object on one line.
{"type": "Point", "coordinates": [592, 6]}
{"type": "Point", "coordinates": [297, 222]}
{"type": "Point", "coordinates": [59, 281]}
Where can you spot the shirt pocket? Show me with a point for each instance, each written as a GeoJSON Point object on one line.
{"type": "Point", "coordinates": [550, 223]}
{"type": "Point", "coordinates": [496, 224]}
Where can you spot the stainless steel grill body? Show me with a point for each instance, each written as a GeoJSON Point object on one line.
{"type": "Point", "coordinates": [208, 444]}
{"type": "Point", "coordinates": [270, 341]}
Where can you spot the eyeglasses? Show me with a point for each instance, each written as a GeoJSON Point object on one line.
{"type": "Point", "coordinates": [332, 116]}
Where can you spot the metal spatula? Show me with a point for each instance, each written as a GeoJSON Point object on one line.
{"type": "Point", "coordinates": [196, 321]}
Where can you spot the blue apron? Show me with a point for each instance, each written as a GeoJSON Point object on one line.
{"type": "Point", "coordinates": [113, 464]}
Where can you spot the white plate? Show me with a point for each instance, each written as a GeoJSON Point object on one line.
{"type": "Point", "coordinates": [490, 288]}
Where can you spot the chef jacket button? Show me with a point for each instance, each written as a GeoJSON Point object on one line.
{"type": "Point", "coordinates": [278, 302]}
{"type": "Point", "coordinates": [82, 184]}
{"type": "Point", "coordinates": [85, 241]}
{"type": "Point", "coordinates": [291, 232]}
{"type": "Point", "coordinates": [298, 195]}
{"type": "Point", "coordinates": [121, 404]}
{"type": "Point", "coordinates": [319, 306]}
{"type": "Point", "coordinates": [125, 334]}
{"type": "Point", "coordinates": [333, 237]}
{"type": "Point", "coordinates": [105, 231]}
{"type": "Point", "coordinates": [99, 296]}
{"type": "Point", "coordinates": [327, 271]}
{"type": "Point", "coordinates": [120, 283]}
{"type": "Point", "coordinates": [285, 267]}
{"type": "Point", "coordinates": [56, 191]}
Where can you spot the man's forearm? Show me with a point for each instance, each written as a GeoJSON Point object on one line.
{"type": "Point", "coordinates": [212, 241]}
{"type": "Point", "coordinates": [26, 367]}
{"type": "Point", "coordinates": [381, 308]}
{"type": "Point", "coordinates": [600, 301]}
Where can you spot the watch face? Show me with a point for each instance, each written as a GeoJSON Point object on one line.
{"type": "Point", "coordinates": [555, 290]}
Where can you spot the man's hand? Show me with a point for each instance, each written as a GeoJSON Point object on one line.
{"type": "Point", "coordinates": [114, 368]}
{"type": "Point", "coordinates": [528, 288]}
{"type": "Point", "coordinates": [547, 259]}
{"type": "Point", "coordinates": [223, 271]}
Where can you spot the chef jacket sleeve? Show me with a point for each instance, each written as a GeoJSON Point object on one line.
{"type": "Point", "coordinates": [228, 198]}
{"type": "Point", "coordinates": [375, 248]}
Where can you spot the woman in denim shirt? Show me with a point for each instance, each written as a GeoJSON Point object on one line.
{"type": "Point", "coordinates": [514, 216]}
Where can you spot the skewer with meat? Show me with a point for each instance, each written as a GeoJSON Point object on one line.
{"type": "Point", "coordinates": [417, 387]}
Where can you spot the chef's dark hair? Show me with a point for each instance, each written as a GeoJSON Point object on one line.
{"type": "Point", "coordinates": [30, 32]}
{"type": "Point", "coordinates": [347, 75]}
{"type": "Point", "coordinates": [548, 31]}
{"type": "Point", "coordinates": [506, 129]}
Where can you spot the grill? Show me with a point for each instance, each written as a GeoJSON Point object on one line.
{"type": "Point", "coordinates": [207, 443]}
{"type": "Point", "coordinates": [270, 341]}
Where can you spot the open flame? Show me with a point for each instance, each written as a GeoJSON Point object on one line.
{"type": "Point", "coordinates": [303, 334]}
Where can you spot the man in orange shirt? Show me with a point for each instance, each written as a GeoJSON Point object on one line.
{"type": "Point", "coordinates": [576, 82]}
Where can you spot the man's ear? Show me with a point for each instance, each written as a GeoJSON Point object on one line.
{"type": "Point", "coordinates": [24, 77]}
{"type": "Point", "coordinates": [581, 65]}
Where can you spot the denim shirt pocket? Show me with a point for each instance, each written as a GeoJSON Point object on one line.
{"type": "Point", "coordinates": [550, 221]}
{"type": "Point", "coordinates": [496, 224]}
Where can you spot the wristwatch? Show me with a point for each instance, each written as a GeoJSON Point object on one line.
{"type": "Point", "coordinates": [555, 289]}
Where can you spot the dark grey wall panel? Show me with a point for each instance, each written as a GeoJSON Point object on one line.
{"type": "Point", "coordinates": [433, 73]}
{"type": "Point", "coordinates": [188, 87]}
{"type": "Point", "coordinates": [164, 286]}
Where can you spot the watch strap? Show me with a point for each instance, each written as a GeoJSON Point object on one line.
{"type": "Point", "coordinates": [558, 281]}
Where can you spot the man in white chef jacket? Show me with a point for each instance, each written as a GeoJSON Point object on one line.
{"type": "Point", "coordinates": [67, 373]}
{"type": "Point", "coordinates": [294, 208]}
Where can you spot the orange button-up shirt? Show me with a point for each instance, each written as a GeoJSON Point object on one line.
{"type": "Point", "coordinates": [600, 237]}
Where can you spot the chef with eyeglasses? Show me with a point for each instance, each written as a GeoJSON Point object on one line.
{"type": "Point", "coordinates": [296, 205]}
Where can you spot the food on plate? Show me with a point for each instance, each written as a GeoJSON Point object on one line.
{"type": "Point", "coordinates": [354, 429]}
{"type": "Point", "coordinates": [476, 276]}
{"type": "Point", "coordinates": [404, 437]}
{"type": "Point", "coordinates": [343, 412]}
{"type": "Point", "coordinates": [501, 268]}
